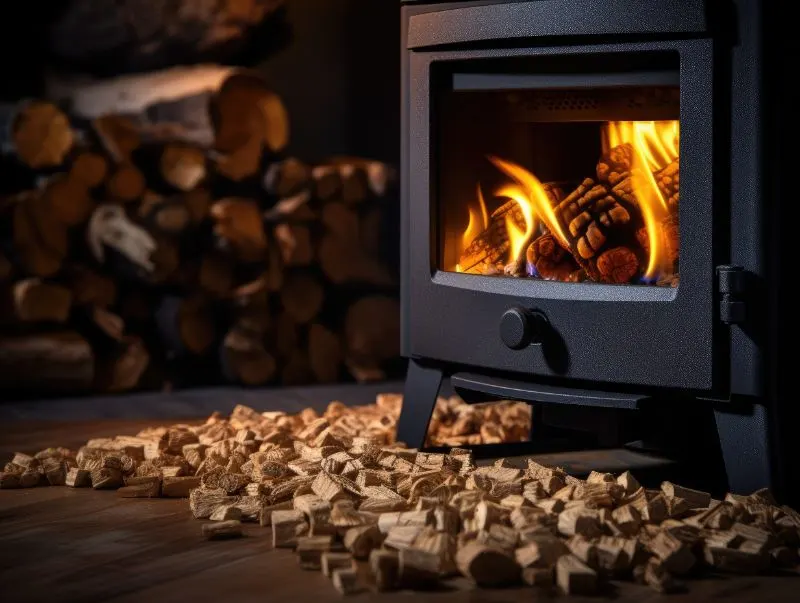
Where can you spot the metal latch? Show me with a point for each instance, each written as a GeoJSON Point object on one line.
{"type": "Point", "coordinates": [732, 285]}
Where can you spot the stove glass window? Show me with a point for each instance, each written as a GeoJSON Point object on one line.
{"type": "Point", "coordinates": [558, 175]}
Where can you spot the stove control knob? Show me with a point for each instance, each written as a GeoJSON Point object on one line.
{"type": "Point", "coordinates": [520, 328]}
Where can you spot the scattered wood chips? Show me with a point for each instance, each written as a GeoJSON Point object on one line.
{"type": "Point", "coordinates": [338, 491]}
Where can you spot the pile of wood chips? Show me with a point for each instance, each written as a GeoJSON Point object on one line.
{"type": "Point", "coordinates": [337, 490]}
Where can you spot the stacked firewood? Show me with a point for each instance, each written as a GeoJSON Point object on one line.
{"type": "Point", "coordinates": [599, 235]}
{"type": "Point", "coordinates": [339, 492]}
{"type": "Point", "coordinates": [137, 251]}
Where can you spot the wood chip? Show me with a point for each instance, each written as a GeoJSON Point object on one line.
{"type": "Point", "coordinates": [309, 550]}
{"type": "Point", "coordinates": [287, 527]}
{"type": "Point", "coordinates": [179, 487]}
{"type": "Point", "coordinates": [695, 499]}
{"type": "Point", "coordinates": [575, 577]}
{"type": "Point", "coordinates": [360, 541]}
{"type": "Point", "coordinates": [487, 566]}
{"type": "Point", "coordinates": [345, 581]}
{"type": "Point", "coordinates": [78, 478]}
{"type": "Point", "coordinates": [222, 530]}
{"type": "Point", "coordinates": [330, 561]}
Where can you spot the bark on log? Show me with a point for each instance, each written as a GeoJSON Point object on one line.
{"type": "Point", "coordinates": [53, 362]}
{"type": "Point", "coordinates": [37, 133]}
{"type": "Point", "coordinates": [171, 104]}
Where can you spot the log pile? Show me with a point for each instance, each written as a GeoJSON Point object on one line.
{"type": "Point", "coordinates": [603, 235]}
{"type": "Point", "coordinates": [137, 252]}
{"type": "Point", "coordinates": [340, 492]}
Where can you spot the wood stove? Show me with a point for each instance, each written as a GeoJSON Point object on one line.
{"type": "Point", "coordinates": [584, 216]}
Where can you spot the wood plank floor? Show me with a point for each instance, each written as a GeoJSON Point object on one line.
{"type": "Point", "coordinates": [65, 545]}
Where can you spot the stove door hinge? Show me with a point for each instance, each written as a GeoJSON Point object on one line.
{"type": "Point", "coordinates": [732, 283]}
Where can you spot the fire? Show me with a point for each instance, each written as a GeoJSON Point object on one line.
{"type": "Point", "coordinates": [655, 144]}
{"type": "Point", "coordinates": [517, 237]}
{"type": "Point", "coordinates": [478, 222]}
{"type": "Point", "coordinates": [532, 197]}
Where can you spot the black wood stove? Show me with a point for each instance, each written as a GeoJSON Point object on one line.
{"type": "Point", "coordinates": [590, 219]}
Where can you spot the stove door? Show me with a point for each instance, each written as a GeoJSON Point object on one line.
{"type": "Point", "coordinates": [559, 216]}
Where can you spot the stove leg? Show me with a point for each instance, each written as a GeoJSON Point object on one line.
{"type": "Point", "coordinates": [419, 398]}
{"type": "Point", "coordinates": [745, 449]}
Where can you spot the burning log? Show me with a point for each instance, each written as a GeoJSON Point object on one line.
{"type": "Point", "coordinates": [668, 181]}
{"type": "Point", "coordinates": [549, 260]}
{"type": "Point", "coordinates": [488, 252]}
{"type": "Point", "coordinates": [596, 223]}
{"type": "Point", "coordinates": [615, 165]}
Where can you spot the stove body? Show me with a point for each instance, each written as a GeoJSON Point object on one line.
{"type": "Point", "coordinates": [672, 309]}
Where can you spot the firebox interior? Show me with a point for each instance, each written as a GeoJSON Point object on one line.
{"type": "Point", "coordinates": [543, 171]}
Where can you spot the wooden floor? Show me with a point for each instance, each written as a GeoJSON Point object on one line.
{"type": "Point", "coordinates": [63, 544]}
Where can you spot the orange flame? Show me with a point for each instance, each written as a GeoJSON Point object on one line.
{"type": "Point", "coordinates": [655, 144]}
{"type": "Point", "coordinates": [531, 196]}
{"type": "Point", "coordinates": [516, 236]}
{"type": "Point", "coordinates": [478, 222]}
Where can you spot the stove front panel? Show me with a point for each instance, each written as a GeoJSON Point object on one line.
{"type": "Point", "coordinates": [572, 181]}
